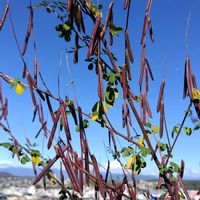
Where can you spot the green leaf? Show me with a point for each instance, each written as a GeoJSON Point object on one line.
{"type": "Point", "coordinates": [112, 79]}
{"type": "Point", "coordinates": [188, 131]}
{"type": "Point", "coordinates": [25, 159]}
{"type": "Point", "coordinates": [175, 130]}
{"type": "Point", "coordinates": [78, 128]}
{"type": "Point", "coordinates": [100, 6]}
{"type": "Point", "coordinates": [66, 27]}
{"type": "Point", "coordinates": [116, 93]}
{"type": "Point", "coordinates": [6, 145]}
{"type": "Point", "coordinates": [162, 169]}
{"type": "Point", "coordinates": [34, 152]}
{"type": "Point", "coordinates": [48, 9]}
{"type": "Point", "coordinates": [144, 151]}
{"type": "Point", "coordinates": [148, 124]}
{"type": "Point", "coordinates": [172, 180]}
{"type": "Point", "coordinates": [197, 127]}
{"type": "Point", "coordinates": [163, 146]}
{"type": "Point", "coordinates": [85, 123]}
{"type": "Point", "coordinates": [115, 30]}
{"type": "Point", "coordinates": [127, 151]}
{"type": "Point", "coordinates": [109, 104]}
{"type": "Point", "coordinates": [90, 66]}
{"type": "Point", "coordinates": [175, 166]}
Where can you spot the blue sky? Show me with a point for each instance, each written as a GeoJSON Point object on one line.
{"type": "Point", "coordinates": [169, 25]}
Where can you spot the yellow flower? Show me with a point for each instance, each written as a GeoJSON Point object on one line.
{"type": "Point", "coordinates": [94, 117]}
{"type": "Point", "coordinates": [130, 162]}
{"type": "Point", "coordinates": [141, 141]}
{"type": "Point", "coordinates": [137, 99]}
{"type": "Point", "coordinates": [19, 88]}
{"type": "Point", "coordinates": [36, 159]}
{"type": "Point", "coordinates": [196, 93]}
{"type": "Point", "coordinates": [155, 129]}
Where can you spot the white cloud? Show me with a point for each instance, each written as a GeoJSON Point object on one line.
{"type": "Point", "coordinates": [149, 172]}
{"type": "Point", "coordinates": [115, 167]}
{"type": "Point", "coordinates": [5, 163]}
{"type": "Point", "coordinates": [192, 174]}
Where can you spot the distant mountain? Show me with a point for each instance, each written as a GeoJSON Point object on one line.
{"type": "Point", "coordinates": [5, 174]}
{"type": "Point", "coordinates": [16, 171]}
{"type": "Point", "coordinates": [28, 172]}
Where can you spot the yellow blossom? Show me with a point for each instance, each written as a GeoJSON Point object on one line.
{"type": "Point", "coordinates": [196, 93]}
{"type": "Point", "coordinates": [141, 141]}
{"type": "Point", "coordinates": [130, 162]}
{"type": "Point", "coordinates": [19, 88]}
{"type": "Point", "coordinates": [95, 117]}
{"type": "Point", "coordinates": [36, 159]}
{"type": "Point", "coordinates": [155, 129]}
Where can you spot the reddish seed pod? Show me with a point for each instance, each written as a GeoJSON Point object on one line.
{"type": "Point", "coordinates": [35, 70]}
{"type": "Point", "coordinates": [144, 30]}
{"type": "Point", "coordinates": [100, 83]}
{"type": "Point", "coordinates": [30, 83]}
{"type": "Point", "coordinates": [47, 167]}
{"type": "Point", "coordinates": [110, 38]}
{"type": "Point", "coordinates": [82, 21]}
{"type": "Point", "coordinates": [24, 71]}
{"type": "Point", "coordinates": [128, 67]}
{"type": "Point", "coordinates": [102, 188]}
{"type": "Point", "coordinates": [50, 107]}
{"type": "Point", "coordinates": [40, 130]}
{"type": "Point", "coordinates": [149, 68]}
{"type": "Point", "coordinates": [126, 3]}
{"type": "Point", "coordinates": [113, 139]}
{"type": "Point", "coordinates": [144, 113]}
{"type": "Point", "coordinates": [148, 8]}
{"type": "Point", "coordinates": [148, 110]}
{"type": "Point", "coordinates": [108, 19]}
{"type": "Point", "coordinates": [53, 130]}
{"type": "Point", "coordinates": [160, 97]}
{"type": "Point", "coordinates": [3, 18]}
{"type": "Point", "coordinates": [141, 72]}
{"type": "Point", "coordinates": [150, 28]}
{"type": "Point", "coordinates": [1, 96]}
{"type": "Point", "coordinates": [30, 25]}
{"type": "Point", "coordinates": [65, 122]}
{"type": "Point", "coordinates": [94, 36]}
{"type": "Point", "coordinates": [194, 83]}
{"type": "Point", "coordinates": [189, 77]}
{"type": "Point", "coordinates": [127, 40]}
{"type": "Point", "coordinates": [69, 4]}
{"type": "Point", "coordinates": [146, 80]}
{"type": "Point", "coordinates": [76, 49]}
{"type": "Point", "coordinates": [161, 118]}
{"type": "Point", "coordinates": [124, 81]}
{"type": "Point", "coordinates": [68, 166]}
{"type": "Point", "coordinates": [129, 116]}
{"type": "Point", "coordinates": [185, 88]}
{"type": "Point", "coordinates": [182, 168]}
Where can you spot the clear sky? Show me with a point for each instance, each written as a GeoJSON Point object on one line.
{"type": "Point", "coordinates": [169, 20]}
